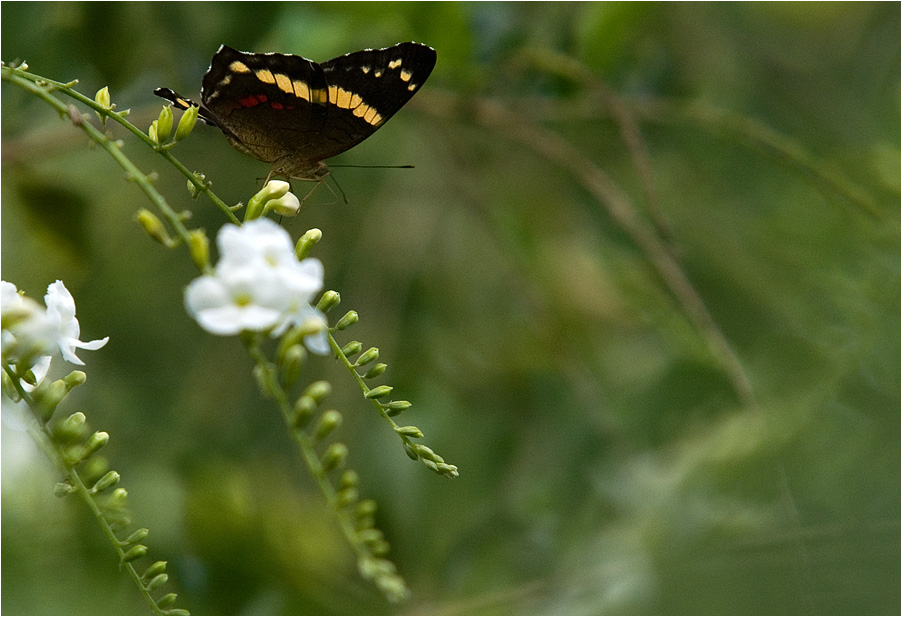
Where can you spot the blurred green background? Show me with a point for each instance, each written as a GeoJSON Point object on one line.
{"type": "Point", "coordinates": [611, 460]}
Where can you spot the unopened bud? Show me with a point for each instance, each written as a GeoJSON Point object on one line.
{"type": "Point", "coordinates": [409, 431]}
{"type": "Point", "coordinates": [378, 392]}
{"type": "Point", "coordinates": [352, 348]}
{"type": "Point", "coordinates": [153, 226]}
{"type": "Point", "coordinates": [329, 300]}
{"type": "Point", "coordinates": [368, 356]}
{"type": "Point", "coordinates": [318, 390]}
{"type": "Point", "coordinates": [348, 320]}
{"type": "Point", "coordinates": [164, 124]}
{"type": "Point", "coordinates": [110, 480]}
{"type": "Point", "coordinates": [135, 552]}
{"type": "Point", "coordinates": [186, 123]}
{"type": "Point", "coordinates": [375, 371]}
{"type": "Point", "coordinates": [95, 443]}
{"type": "Point", "coordinates": [292, 363]}
{"type": "Point", "coordinates": [307, 242]}
{"type": "Point", "coordinates": [158, 581]}
{"type": "Point", "coordinates": [199, 245]}
{"type": "Point", "coordinates": [329, 421]}
{"type": "Point", "coordinates": [335, 456]}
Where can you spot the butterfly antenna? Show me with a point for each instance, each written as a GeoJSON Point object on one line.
{"type": "Point", "coordinates": [377, 166]}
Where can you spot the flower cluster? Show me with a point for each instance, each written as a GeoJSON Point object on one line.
{"type": "Point", "coordinates": [31, 334]}
{"type": "Point", "coordinates": [259, 285]}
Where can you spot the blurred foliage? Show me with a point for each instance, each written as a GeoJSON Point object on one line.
{"type": "Point", "coordinates": [610, 462]}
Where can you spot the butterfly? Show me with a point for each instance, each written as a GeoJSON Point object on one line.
{"type": "Point", "coordinates": [293, 112]}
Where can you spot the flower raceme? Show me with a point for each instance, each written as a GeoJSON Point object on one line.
{"type": "Point", "coordinates": [258, 285]}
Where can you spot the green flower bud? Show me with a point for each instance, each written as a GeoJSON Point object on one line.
{"type": "Point", "coordinates": [328, 422]}
{"type": "Point", "coordinates": [367, 356]}
{"type": "Point", "coordinates": [303, 409]}
{"type": "Point", "coordinates": [102, 97]}
{"type": "Point", "coordinates": [367, 507]}
{"type": "Point", "coordinates": [329, 300]}
{"type": "Point", "coordinates": [74, 379]}
{"type": "Point", "coordinates": [307, 242]}
{"type": "Point", "coordinates": [135, 552]}
{"type": "Point", "coordinates": [71, 429]}
{"type": "Point", "coordinates": [449, 471]}
{"type": "Point", "coordinates": [380, 548]}
{"type": "Point", "coordinates": [370, 536]}
{"type": "Point", "coordinates": [154, 227]}
{"type": "Point", "coordinates": [164, 124]}
{"type": "Point", "coordinates": [94, 468]}
{"type": "Point", "coordinates": [395, 407]}
{"type": "Point", "coordinates": [318, 390]}
{"type": "Point", "coordinates": [375, 371]}
{"type": "Point", "coordinates": [158, 581]}
{"type": "Point", "coordinates": [152, 133]}
{"type": "Point", "coordinates": [137, 537]}
{"type": "Point", "coordinates": [409, 431]}
{"type": "Point", "coordinates": [186, 123]}
{"type": "Point", "coordinates": [48, 395]}
{"type": "Point", "coordinates": [346, 497]}
{"type": "Point", "coordinates": [292, 363]}
{"type": "Point", "coordinates": [117, 499]}
{"type": "Point", "coordinates": [349, 319]}
{"type": "Point", "coordinates": [95, 443]}
{"type": "Point", "coordinates": [349, 479]}
{"type": "Point", "coordinates": [335, 456]}
{"type": "Point", "coordinates": [411, 453]}
{"type": "Point", "coordinates": [351, 348]}
{"type": "Point", "coordinates": [167, 600]}
{"type": "Point", "coordinates": [426, 453]}
{"type": "Point", "coordinates": [110, 480]}
{"type": "Point", "coordinates": [62, 489]}
{"type": "Point", "coordinates": [199, 245]}
{"type": "Point", "coordinates": [378, 392]}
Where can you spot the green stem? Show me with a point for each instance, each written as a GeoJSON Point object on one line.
{"type": "Point", "coordinates": [43, 87]}
{"type": "Point", "coordinates": [44, 438]}
{"type": "Point", "coordinates": [308, 451]}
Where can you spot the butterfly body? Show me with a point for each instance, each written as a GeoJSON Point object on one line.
{"type": "Point", "coordinates": [293, 113]}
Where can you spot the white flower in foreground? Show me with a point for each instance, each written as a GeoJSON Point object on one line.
{"type": "Point", "coordinates": [258, 285]}
{"type": "Point", "coordinates": [61, 312]}
{"type": "Point", "coordinates": [27, 331]}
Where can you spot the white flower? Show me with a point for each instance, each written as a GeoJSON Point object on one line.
{"type": "Point", "coordinates": [258, 285]}
{"type": "Point", "coordinates": [27, 333]}
{"type": "Point", "coordinates": [61, 312]}
{"type": "Point", "coordinates": [237, 299]}
{"type": "Point", "coordinates": [260, 239]}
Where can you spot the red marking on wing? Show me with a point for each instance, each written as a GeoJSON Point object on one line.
{"type": "Point", "coordinates": [252, 100]}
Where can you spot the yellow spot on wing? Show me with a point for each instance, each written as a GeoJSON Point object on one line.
{"type": "Point", "coordinates": [238, 67]}
{"type": "Point", "coordinates": [284, 83]}
{"type": "Point", "coordinates": [301, 89]}
{"type": "Point", "coordinates": [266, 76]}
{"type": "Point", "coordinates": [394, 64]}
{"type": "Point", "coordinates": [373, 117]}
{"type": "Point", "coordinates": [406, 75]}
